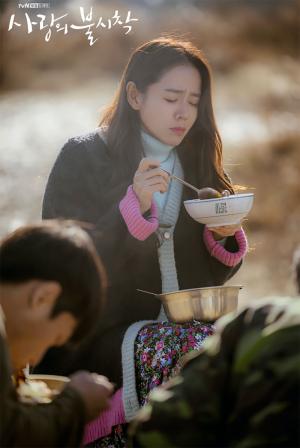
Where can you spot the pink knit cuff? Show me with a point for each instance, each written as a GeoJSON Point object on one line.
{"type": "Point", "coordinates": [102, 425]}
{"type": "Point", "coordinates": [138, 226]}
{"type": "Point", "coordinates": [220, 253]}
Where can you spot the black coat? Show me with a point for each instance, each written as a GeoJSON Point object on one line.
{"type": "Point", "coordinates": [80, 187]}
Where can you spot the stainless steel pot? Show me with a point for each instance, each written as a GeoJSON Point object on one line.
{"type": "Point", "coordinates": [203, 304]}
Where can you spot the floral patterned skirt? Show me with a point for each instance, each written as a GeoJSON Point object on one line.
{"type": "Point", "coordinates": [158, 350]}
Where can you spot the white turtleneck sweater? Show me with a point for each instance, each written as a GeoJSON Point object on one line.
{"type": "Point", "coordinates": [165, 154]}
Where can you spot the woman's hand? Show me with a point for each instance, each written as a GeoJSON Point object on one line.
{"type": "Point", "coordinates": [224, 231]}
{"type": "Point", "coordinates": [148, 179]}
{"type": "Point", "coordinates": [95, 391]}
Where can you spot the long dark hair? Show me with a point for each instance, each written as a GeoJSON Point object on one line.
{"type": "Point", "coordinates": [201, 150]}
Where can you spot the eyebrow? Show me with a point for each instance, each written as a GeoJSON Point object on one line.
{"type": "Point", "coordinates": [181, 91]}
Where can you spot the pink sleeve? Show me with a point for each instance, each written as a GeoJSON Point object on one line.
{"type": "Point", "coordinates": [220, 253]}
{"type": "Point", "coordinates": [138, 226]}
{"type": "Point", "coordinates": [102, 425]}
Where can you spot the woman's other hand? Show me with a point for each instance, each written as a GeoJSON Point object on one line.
{"type": "Point", "coordinates": [149, 179]}
{"type": "Point", "coordinates": [95, 390]}
{"type": "Point", "coordinates": [224, 231]}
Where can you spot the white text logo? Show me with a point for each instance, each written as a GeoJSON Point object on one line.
{"type": "Point", "coordinates": [33, 5]}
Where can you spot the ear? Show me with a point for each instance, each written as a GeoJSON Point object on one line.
{"type": "Point", "coordinates": [134, 97]}
{"type": "Point", "coordinates": [43, 297]}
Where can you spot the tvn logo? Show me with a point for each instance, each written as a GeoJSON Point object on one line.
{"type": "Point", "coordinates": [33, 5]}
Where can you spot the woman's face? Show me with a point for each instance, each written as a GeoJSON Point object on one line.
{"type": "Point", "coordinates": [169, 107]}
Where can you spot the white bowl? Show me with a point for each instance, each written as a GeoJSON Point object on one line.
{"type": "Point", "coordinates": [220, 211]}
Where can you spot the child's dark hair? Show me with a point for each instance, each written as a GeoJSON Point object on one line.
{"type": "Point", "coordinates": [201, 150]}
{"type": "Point", "coordinates": [63, 252]}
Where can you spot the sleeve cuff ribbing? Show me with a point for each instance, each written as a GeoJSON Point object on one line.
{"type": "Point", "coordinates": [139, 227]}
{"type": "Point", "coordinates": [102, 425]}
{"type": "Point", "coordinates": [217, 251]}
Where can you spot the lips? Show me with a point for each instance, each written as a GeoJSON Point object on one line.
{"type": "Point", "coordinates": [178, 131]}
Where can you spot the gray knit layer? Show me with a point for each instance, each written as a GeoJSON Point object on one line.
{"type": "Point", "coordinates": [168, 214]}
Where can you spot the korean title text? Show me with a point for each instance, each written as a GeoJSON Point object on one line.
{"type": "Point", "coordinates": [90, 25]}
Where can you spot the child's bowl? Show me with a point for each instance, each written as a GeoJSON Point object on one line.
{"type": "Point", "coordinates": [223, 211]}
{"type": "Point", "coordinates": [54, 382]}
{"type": "Point", "coordinates": [41, 388]}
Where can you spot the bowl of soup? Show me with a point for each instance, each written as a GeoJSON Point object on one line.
{"type": "Point", "coordinates": [216, 212]}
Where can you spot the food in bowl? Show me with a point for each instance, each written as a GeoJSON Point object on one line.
{"type": "Point", "coordinates": [40, 388]}
{"type": "Point", "coordinates": [216, 212]}
{"type": "Point", "coordinates": [211, 193]}
{"type": "Point", "coordinates": [208, 193]}
{"type": "Point", "coordinates": [35, 392]}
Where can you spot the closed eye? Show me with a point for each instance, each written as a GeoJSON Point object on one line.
{"type": "Point", "coordinates": [174, 101]}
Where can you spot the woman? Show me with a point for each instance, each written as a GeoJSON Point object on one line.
{"type": "Point", "coordinates": [161, 117]}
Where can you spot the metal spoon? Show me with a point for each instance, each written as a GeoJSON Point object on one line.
{"type": "Point", "coordinates": [172, 176]}
{"type": "Point", "coordinates": [147, 292]}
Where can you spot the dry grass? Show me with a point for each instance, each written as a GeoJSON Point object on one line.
{"type": "Point", "coordinates": [232, 34]}
{"type": "Point", "coordinates": [272, 171]}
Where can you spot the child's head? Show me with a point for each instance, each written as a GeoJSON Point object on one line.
{"type": "Point", "coordinates": [166, 90]}
{"type": "Point", "coordinates": [51, 288]}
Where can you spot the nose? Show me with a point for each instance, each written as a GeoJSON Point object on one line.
{"type": "Point", "coordinates": [182, 112]}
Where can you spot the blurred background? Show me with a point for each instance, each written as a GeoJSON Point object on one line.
{"type": "Point", "coordinates": [53, 90]}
